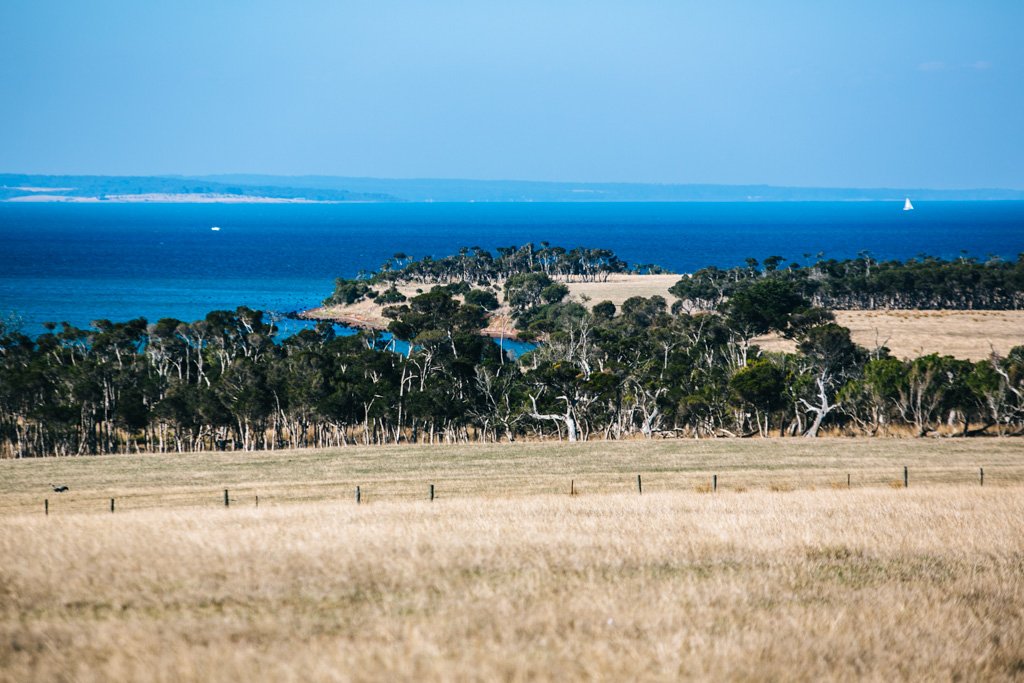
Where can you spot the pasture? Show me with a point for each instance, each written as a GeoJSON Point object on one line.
{"type": "Point", "coordinates": [970, 335]}
{"type": "Point", "coordinates": [783, 573]}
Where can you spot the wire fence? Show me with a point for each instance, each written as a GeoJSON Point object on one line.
{"type": "Point", "coordinates": [371, 490]}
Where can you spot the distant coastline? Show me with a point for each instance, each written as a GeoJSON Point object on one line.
{"type": "Point", "coordinates": [264, 189]}
{"type": "Point", "coordinates": [79, 189]}
{"type": "Point", "coordinates": [171, 198]}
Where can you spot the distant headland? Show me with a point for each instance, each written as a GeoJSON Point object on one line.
{"type": "Point", "coordinates": [248, 188]}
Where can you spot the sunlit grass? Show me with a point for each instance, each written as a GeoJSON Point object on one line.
{"type": "Point", "coordinates": [500, 470]}
{"type": "Point", "coordinates": [784, 573]}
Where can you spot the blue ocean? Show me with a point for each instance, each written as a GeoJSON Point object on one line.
{"type": "Point", "coordinates": [82, 262]}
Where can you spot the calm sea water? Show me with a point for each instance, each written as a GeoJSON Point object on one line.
{"type": "Point", "coordinates": [80, 262]}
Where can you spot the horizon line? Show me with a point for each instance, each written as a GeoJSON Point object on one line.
{"type": "Point", "coordinates": [636, 183]}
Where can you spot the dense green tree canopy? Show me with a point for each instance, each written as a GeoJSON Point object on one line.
{"type": "Point", "coordinates": [642, 369]}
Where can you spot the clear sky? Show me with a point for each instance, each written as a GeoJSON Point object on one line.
{"type": "Point", "coordinates": [916, 93]}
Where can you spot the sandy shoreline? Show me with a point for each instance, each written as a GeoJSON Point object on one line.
{"type": "Point", "coordinates": [500, 325]}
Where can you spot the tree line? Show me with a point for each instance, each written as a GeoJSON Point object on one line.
{"type": "Point", "coordinates": [865, 283]}
{"type": "Point", "coordinates": [639, 370]}
{"type": "Point", "coordinates": [479, 267]}
{"type": "Point", "coordinates": [926, 282]}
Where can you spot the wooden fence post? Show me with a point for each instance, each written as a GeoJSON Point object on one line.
{"type": "Point", "coordinates": [359, 496]}
{"type": "Point", "coordinates": [906, 477]}
{"type": "Point", "coordinates": [46, 506]}
{"type": "Point", "coordinates": [111, 504]}
{"type": "Point", "coordinates": [639, 484]}
{"type": "Point", "coordinates": [257, 500]}
{"type": "Point", "coordinates": [714, 483]}
{"type": "Point", "coordinates": [572, 487]}
{"type": "Point", "coordinates": [981, 475]}
{"type": "Point", "coordinates": [847, 481]}
{"type": "Point", "coordinates": [227, 501]}
{"type": "Point", "coordinates": [431, 492]}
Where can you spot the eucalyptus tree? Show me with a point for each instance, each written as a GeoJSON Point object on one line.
{"type": "Point", "coordinates": [636, 347]}
{"type": "Point", "coordinates": [297, 383]}
{"type": "Point", "coordinates": [113, 375]}
{"type": "Point", "coordinates": [998, 385]}
{"type": "Point", "coordinates": [832, 359]}
{"type": "Point", "coordinates": [768, 305]}
{"type": "Point", "coordinates": [761, 386]}
{"type": "Point", "coordinates": [565, 383]}
{"type": "Point", "coordinates": [871, 400]}
{"type": "Point", "coordinates": [445, 351]}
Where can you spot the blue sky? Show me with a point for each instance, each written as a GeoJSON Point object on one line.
{"type": "Point", "coordinates": [911, 94]}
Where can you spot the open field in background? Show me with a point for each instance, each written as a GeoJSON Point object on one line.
{"type": "Point", "coordinates": [970, 335]}
{"type": "Point", "coordinates": [619, 287]}
{"type": "Point", "coordinates": [877, 583]}
{"type": "Point", "coordinates": [395, 473]}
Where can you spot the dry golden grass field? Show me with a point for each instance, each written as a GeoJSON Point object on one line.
{"type": "Point", "coordinates": [783, 574]}
{"type": "Point", "coordinates": [971, 335]}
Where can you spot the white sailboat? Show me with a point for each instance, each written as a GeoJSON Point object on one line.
{"type": "Point", "coordinates": [907, 206]}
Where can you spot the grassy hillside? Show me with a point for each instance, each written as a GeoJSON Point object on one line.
{"type": "Point", "coordinates": [504, 576]}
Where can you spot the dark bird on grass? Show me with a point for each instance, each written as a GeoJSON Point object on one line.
{"type": "Point", "coordinates": [58, 489]}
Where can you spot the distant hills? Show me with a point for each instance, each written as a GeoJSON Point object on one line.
{"type": "Point", "coordinates": [254, 188]}
{"type": "Point", "coordinates": [450, 190]}
{"type": "Point", "coordinates": [19, 187]}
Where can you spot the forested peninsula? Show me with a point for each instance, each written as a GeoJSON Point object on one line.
{"type": "Point", "coordinates": [642, 369]}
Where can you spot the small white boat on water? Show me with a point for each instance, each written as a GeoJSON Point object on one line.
{"type": "Point", "coordinates": [217, 227]}
{"type": "Point", "coordinates": [907, 206]}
